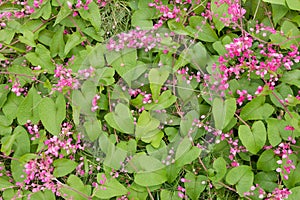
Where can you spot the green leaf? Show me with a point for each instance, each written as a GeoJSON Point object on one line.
{"type": "Point", "coordinates": [295, 193]}
{"type": "Point", "coordinates": [187, 122]}
{"type": "Point", "coordinates": [92, 14]}
{"type": "Point", "coordinates": [275, 128]}
{"type": "Point", "coordinates": [291, 77]}
{"type": "Point", "coordinates": [143, 18]}
{"type": "Point", "coordinates": [76, 185]}
{"type": "Point", "coordinates": [17, 170]}
{"type": "Point", "coordinates": [106, 75]}
{"type": "Point", "coordinates": [90, 31]}
{"type": "Point", "coordinates": [223, 111]}
{"type": "Point", "coordinates": [5, 183]}
{"type": "Point", "coordinates": [197, 56]}
{"type": "Point", "coordinates": [219, 47]}
{"type": "Point", "coordinates": [280, 2]}
{"type": "Point", "coordinates": [167, 195]}
{"type": "Point", "coordinates": [165, 100]}
{"type": "Point", "coordinates": [63, 167]}
{"type": "Point", "coordinates": [267, 161]}
{"type": "Point", "coordinates": [147, 129]}
{"type": "Point", "coordinates": [293, 4]}
{"type": "Point", "coordinates": [145, 124]}
{"type": "Point", "coordinates": [191, 155]}
{"type": "Point", "coordinates": [44, 12]}
{"type": "Point", "coordinates": [7, 143]}
{"type": "Point", "coordinates": [52, 113]}
{"type": "Point", "coordinates": [157, 77]}
{"type": "Point", "coordinates": [5, 125]}
{"type": "Point", "coordinates": [93, 129]}
{"type": "Point", "coordinates": [7, 35]}
{"type": "Point", "coordinates": [114, 155]}
{"type": "Point", "coordinates": [201, 31]}
{"type": "Point", "coordinates": [42, 195]}
{"type": "Point", "coordinates": [256, 109]}
{"type": "Point", "coordinates": [266, 180]}
{"type": "Point", "coordinates": [74, 39]}
{"type": "Point", "coordinates": [242, 177]}
{"type": "Point", "coordinates": [57, 44]}
{"type": "Point", "coordinates": [177, 27]}
{"type": "Point", "coordinates": [3, 94]}
{"type": "Point", "coordinates": [28, 109]}
{"type": "Point", "coordinates": [183, 147]}
{"type": "Point", "coordinates": [219, 12]}
{"type": "Point", "coordinates": [27, 38]}
{"type": "Point", "coordinates": [220, 168]}
{"type": "Point", "coordinates": [25, 74]}
{"type": "Point", "coordinates": [121, 119]}
{"type": "Point", "coordinates": [255, 138]}
{"type": "Point", "coordinates": [148, 170]}
{"type": "Point", "coordinates": [151, 178]}
{"type": "Point", "coordinates": [194, 185]}
{"type": "Point", "coordinates": [86, 95]}
{"type": "Point", "coordinates": [22, 142]}
{"type": "Point", "coordinates": [278, 12]}
{"type": "Point", "coordinates": [64, 12]}
{"type": "Point", "coordinates": [110, 188]}
{"type": "Point", "coordinates": [41, 57]}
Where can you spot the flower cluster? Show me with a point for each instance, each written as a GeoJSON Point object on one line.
{"type": "Point", "coordinates": [242, 57]}
{"type": "Point", "coordinates": [33, 130]}
{"type": "Point", "coordinates": [284, 151]}
{"type": "Point", "coordinates": [95, 103]}
{"type": "Point", "coordinates": [22, 12]}
{"type": "Point", "coordinates": [188, 77]}
{"type": "Point", "coordinates": [234, 147]}
{"type": "Point", "coordinates": [65, 79]}
{"type": "Point", "coordinates": [278, 194]}
{"type": "Point", "coordinates": [16, 87]}
{"type": "Point", "coordinates": [39, 171]}
{"type": "Point", "coordinates": [135, 39]}
{"type": "Point", "coordinates": [235, 11]}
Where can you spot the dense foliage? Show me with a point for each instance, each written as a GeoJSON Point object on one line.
{"type": "Point", "coordinates": [149, 99]}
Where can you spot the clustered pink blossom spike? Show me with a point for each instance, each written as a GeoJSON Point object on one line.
{"type": "Point", "coordinates": [234, 147]}
{"type": "Point", "coordinates": [135, 39]}
{"type": "Point", "coordinates": [33, 130]}
{"type": "Point", "coordinates": [242, 57]}
{"type": "Point", "coordinates": [284, 151]}
{"type": "Point", "coordinates": [39, 171]}
{"type": "Point", "coordinates": [65, 79]}
{"type": "Point", "coordinates": [16, 87]}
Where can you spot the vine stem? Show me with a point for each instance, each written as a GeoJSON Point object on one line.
{"type": "Point", "coordinates": [231, 189]}
{"type": "Point", "coordinates": [241, 120]}
{"type": "Point", "coordinates": [110, 110]}
{"type": "Point", "coordinates": [149, 192]}
{"type": "Point", "coordinates": [284, 106]}
{"type": "Point", "coordinates": [256, 10]}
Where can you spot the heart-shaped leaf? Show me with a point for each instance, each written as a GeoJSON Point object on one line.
{"type": "Point", "coordinates": [63, 167]}
{"type": "Point", "coordinates": [220, 168]}
{"type": "Point", "coordinates": [223, 112]}
{"type": "Point", "coordinates": [121, 119]}
{"type": "Point", "coordinates": [28, 109]}
{"type": "Point", "coordinates": [111, 187]}
{"type": "Point", "coordinates": [194, 185]}
{"type": "Point", "coordinates": [255, 138]}
{"type": "Point", "coordinates": [52, 113]}
{"type": "Point", "coordinates": [157, 77]}
{"type": "Point", "coordinates": [242, 177]}
{"type": "Point", "coordinates": [257, 109]}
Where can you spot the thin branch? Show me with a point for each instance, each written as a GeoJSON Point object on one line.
{"type": "Point", "coordinates": [241, 120]}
